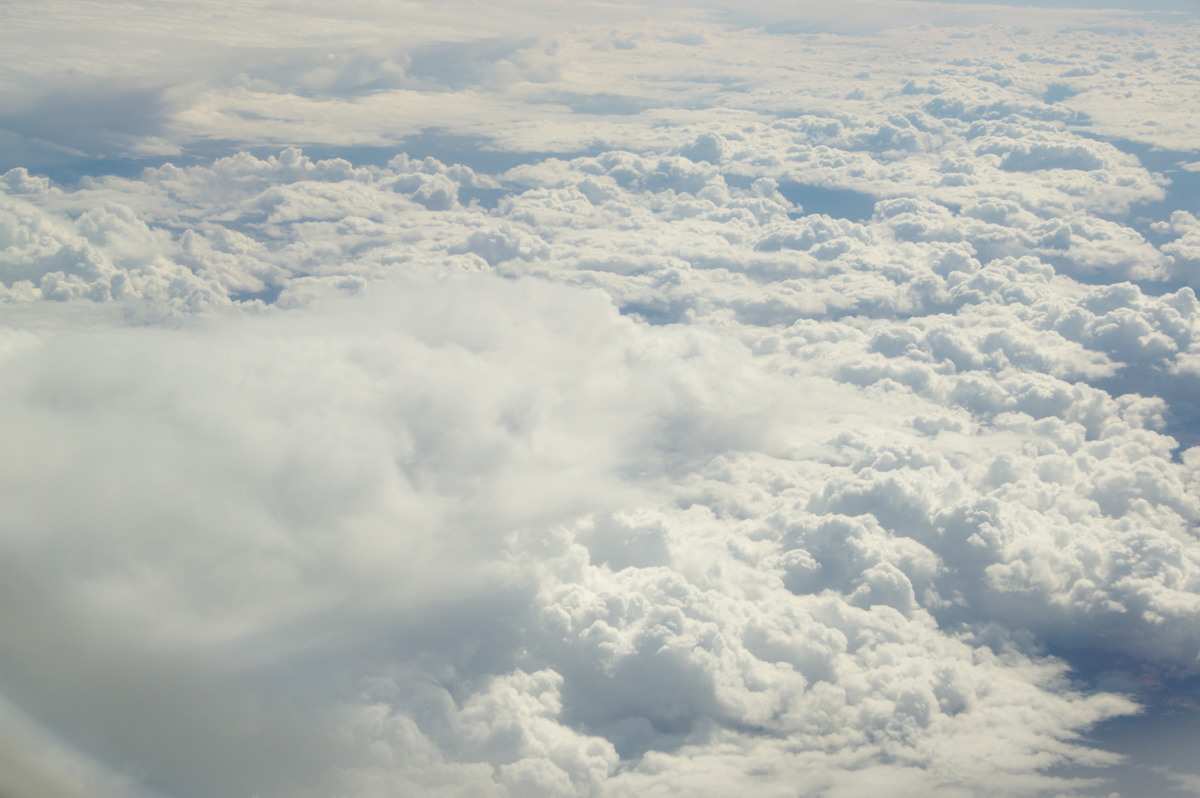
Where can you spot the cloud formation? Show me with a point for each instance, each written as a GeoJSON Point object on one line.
{"type": "Point", "coordinates": [819, 418]}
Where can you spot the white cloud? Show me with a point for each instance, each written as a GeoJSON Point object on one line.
{"type": "Point", "coordinates": [809, 421]}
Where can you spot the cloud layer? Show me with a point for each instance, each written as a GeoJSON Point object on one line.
{"type": "Point", "coordinates": [720, 402]}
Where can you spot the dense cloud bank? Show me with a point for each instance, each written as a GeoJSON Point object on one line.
{"type": "Point", "coordinates": [768, 405]}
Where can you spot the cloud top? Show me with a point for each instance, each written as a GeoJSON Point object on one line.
{"type": "Point", "coordinates": [593, 405]}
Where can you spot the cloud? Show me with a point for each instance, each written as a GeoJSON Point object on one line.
{"type": "Point", "coordinates": [803, 409]}
{"type": "Point", "coordinates": [191, 577]}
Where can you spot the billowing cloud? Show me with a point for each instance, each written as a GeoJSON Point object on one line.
{"type": "Point", "coordinates": [594, 404]}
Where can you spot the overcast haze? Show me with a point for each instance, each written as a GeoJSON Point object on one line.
{"type": "Point", "coordinates": [599, 399]}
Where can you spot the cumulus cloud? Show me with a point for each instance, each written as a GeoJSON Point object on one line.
{"type": "Point", "coordinates": [736, 397]}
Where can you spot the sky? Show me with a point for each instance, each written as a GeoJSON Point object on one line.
{"type": "Point", "coordinates": [1188, 7]}
{"type": "Point", "coordinates": [600, 399]}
